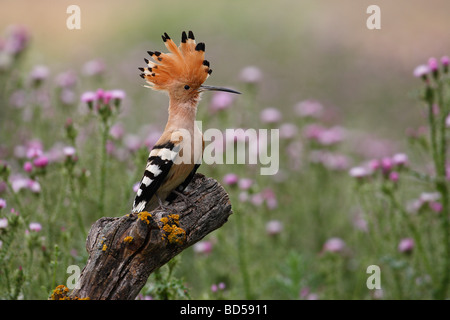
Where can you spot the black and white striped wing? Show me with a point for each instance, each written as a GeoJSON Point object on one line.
{"type": "Point", "coordinates": [159, 162]}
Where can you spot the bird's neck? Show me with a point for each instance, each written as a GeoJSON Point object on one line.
{"type": "Point", "coordinates": [181, 115]}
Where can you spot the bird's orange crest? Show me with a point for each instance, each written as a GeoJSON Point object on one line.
{"type": "Point", "coordinates": [185, 64]}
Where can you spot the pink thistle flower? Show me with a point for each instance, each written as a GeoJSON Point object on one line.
{"type": "Point", "coordinates": [69, 151]}
{"type": "Point", "coordinates": [243, 196]}
{"type": "Point", "coordinates": [34, 149]}
{"type": "Point", "coordinates": [435, 206]}
{"type": "Point", "coordinates": [288, 130]}
{"type": "Point", "coordinates": [17, 40]}
{"type": "Point", "coordinates": [245, 183]}
{"type": "Point", "coordinates": [2, 203]}
{"type": "Point", "coordinates": [221, 101]}
{"type": "Point", "coordinates": [358, 172]}
{"type": "Point", "coordinates": [230, 179]}
{"type": "Point", "coordinates": [35, 226]}
{"type": "Point", "coordinates": [117, 131]}
{"type": "Point", "coordinates": [445, 60]}
{"type": "Point", "coordinates": [447, 121]}
{"type": "Point", "coordinates": [110, 147]}
{"type": "Point", "coordinates": [132, 142]}
{"type": "Point", "coordinates": [309, 108]}
{"type": "Point", "coordinates": [335, 161]}
{"type": "Point", "coordinates": [28, 167]}
{"type": "Point", "coordinates": [117, 94]}
{"type": "Point", "coordinates": [433, 64]}
{"type": "Point", "coordinates": [270, 115]}
{"type": "Point", "coordinates": [66, 79]}
{"type": "Point", "coordinates": [406, 245]}
{"type": "Point", "coordinates": [88, 97]}
{"type": "Point", "coordinates": [251, 74]}
{"type": "Point", "coordinates": [3, 223]}
{"type": "Point", "coordinates": [386, 164]}
{"type": "Point", "coordinates": [93, 67]}
{"type": "Point", "coordinates": [18, 182]}
{"type": "Point", "coordinates": [360, 223]}
{"type": "Point", "coordinates": [334, 245]}
{"type": "Point", "coordinates": [421, 71]}
{"type": "Point", "coordinates": [313, 131]}
{"type": "Point", "coordinates": [270, 198]}
{"type": "Point", "coordinates": [33, 153]}
{"type": "Point", "coordinates": [69, 123]}
{"type": "Point", "coordinates": [331, 136]}
{"type": "Point", "coordinates": [152, 138]}
{"type": "Point", "coordinates": [377, 294]}
{"type": "Point", "coordinates": [203, 247]}
{"type": "Point", "coordinates": [18, 98]}
{"type": "Point", "coordinates": [40, 162]}
{"type": "Point", "coordinates": [257, 199]}
{"type": "Point", "coordinates": [394, 176]}
{"type": "Point", "coordinates": [294, 151]}
{"type": "Point", "coordinates": [55, 154]}
{"type": "Point", "coordinates": [312, 296]}
{"type": "Point", "coordinates": [400, 159]}
{"type": "Point", "coordinates": [107, 97]}
{"type": "Point", "coordinates": [274, 227]}
{"type": "Point", "coordinates": [304, 292]}
{"type": "Point", "coordinates": [374, 164]}
{"type": "Point", "coordinates": [34, 186]}
{"type": "Point", "coordinates": [429, 196]}
{"type": "Point", "coordinates": [39, 74]}
{"type": "Point", "coordinates": [67, 96]}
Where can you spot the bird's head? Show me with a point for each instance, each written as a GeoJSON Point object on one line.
{"type": "Point", "coordinates": [182, 71]}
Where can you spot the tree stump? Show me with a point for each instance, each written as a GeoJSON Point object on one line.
{"type": "Point", "coordinates": [124, 251]}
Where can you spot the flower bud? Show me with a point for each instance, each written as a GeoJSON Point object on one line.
{"type": "Point", "coordinates": [406, 245]}
{"type": "Point", "coordinates": [445, 60]}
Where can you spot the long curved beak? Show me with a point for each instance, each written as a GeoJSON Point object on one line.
{"type": "Point", "coordinates": [213, 88]}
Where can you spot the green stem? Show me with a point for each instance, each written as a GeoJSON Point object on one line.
{"type": "Point", "coordinates": [15, 197]}
{"type": "Point", "coordinates": [8, 285]}
{"type": "Point", "coordinates": [55, 265]}
{"type": "Point", "coordinates": [443, 128]}
{"type": "Point", "coordinates": [398, 284]}
{"type": "Point", "coordinates": [444, 283]}
{"type": "Point", "coordinates": [412, 228]}
{"type": "Point", "coordinates": [103, 166]}
{"type": "Point", "coordinates": [433, 129]}
{"type": "Point", "coordinates": [75, 203]}
{"type": "Point", "coordinates": [420, 176]}
{"type": "Point", "coordinates": [241, 256]}
{"type": "Point", "coordinates": [441, 186]}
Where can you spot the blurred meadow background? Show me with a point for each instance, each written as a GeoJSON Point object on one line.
{"type": "Point", "coordinates": [360, 182]}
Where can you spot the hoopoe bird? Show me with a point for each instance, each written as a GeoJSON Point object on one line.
{"type": "Point", "coordinates": [181, 73]}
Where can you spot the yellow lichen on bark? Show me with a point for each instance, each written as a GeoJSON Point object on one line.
{"type": "Point", "coordinates": [144, 215]}
{"type": "Point", "coordinates": [172, 231]}
{"type": "Point", "coordinates": [61, 292]}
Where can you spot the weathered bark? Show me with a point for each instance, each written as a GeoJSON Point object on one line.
{"type": "Point", "coordinates": [118, 267]}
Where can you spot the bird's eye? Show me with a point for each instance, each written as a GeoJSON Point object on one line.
{"type": "Point", "coordinates": [186, 87]}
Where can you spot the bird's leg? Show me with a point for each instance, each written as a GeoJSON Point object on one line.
{"type": "Point", "coordinates": [187, 201]}
{"type": "Point", "coordinates": [161, 205]}
{"type": "Point", "coordinates": [164, 207]}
